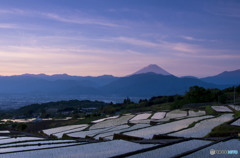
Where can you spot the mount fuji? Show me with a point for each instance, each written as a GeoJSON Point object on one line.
{"type": "Point", "coordinates": [154, 69]}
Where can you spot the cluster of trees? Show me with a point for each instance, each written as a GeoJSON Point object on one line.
{"type": "Point", "coordinates": [196, 95]}
{"type": "Point", "coordinates": [52, 109]}
{"type": "Point", "coordinates": [201, 95]}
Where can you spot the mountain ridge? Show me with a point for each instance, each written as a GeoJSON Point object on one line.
{"type": "Point", "coordinates": [147, 69]}
{"type": "Point", "coordinates": [226, 77]}
{"type": "Point", "coordinates": [151, 84]}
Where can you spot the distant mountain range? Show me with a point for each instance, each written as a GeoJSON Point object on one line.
{"type": "Point", "coordinates": [152, 84]}
{"type": "Point", "coordinates": [227, 77]}
{"type": "Point", "coordinates": [147, 82]}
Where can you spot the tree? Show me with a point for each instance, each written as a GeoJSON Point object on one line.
{"type": "Point", "coordinates": [200, 95]}
{"type": "Point", "coordinates": [21, 126]}
{"type": "Point", "coordinates": [127, 101]}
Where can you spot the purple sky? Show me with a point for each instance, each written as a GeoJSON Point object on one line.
{"type": "Point", "coordinates": [93, 37]}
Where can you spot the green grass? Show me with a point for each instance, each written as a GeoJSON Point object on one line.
{"type": "Point", "coordinates": [160, 107]}
{"type": "Point", "coordinates": [237, 114]}
{"type": "Point", "coordinates": [224, 130]}
{"type": "Point", "coordinates": [210, 111]}
{"type": "Point", "coordinates": [154, 108]}
{"type": "Point", "coordinates": [150, 116]}
{"type": "Point", "coordinates": [193, 124]}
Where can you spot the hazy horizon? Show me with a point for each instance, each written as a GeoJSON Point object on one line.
{"type": "Point", "coordinates": [94, 38]}
{"type": "Point", "coordinates": [104, 74]}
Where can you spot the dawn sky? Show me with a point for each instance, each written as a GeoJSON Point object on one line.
{"type": "Point", "coordinates": [118, 37]}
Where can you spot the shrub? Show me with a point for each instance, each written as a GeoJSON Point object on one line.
{"type": "Point", "coordinates": [53, 136]}
{"type": "Point", "coordinates": [237, 114]}
{"type": "Point", "coordinates": [65, 136]}
{"type": "Point", "coordinates": [21, 126]}
{"type": "Point", "coordinates": [210, 111]}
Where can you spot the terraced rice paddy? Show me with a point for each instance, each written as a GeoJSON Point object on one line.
{"type": "Point", "coordinates": [97, 132]}
{"type": "Point", "coordinates": [83, 134]}
{"type": "Point", "coordinates": [164, 128]}
{"type": "Point", "coordinates": [175, 114]}
{"type": "Point", "coordinates": [236, 123]}
{"type": "Point", "coordinates": [111, 131]}
{"type": "Point", "coordinates": [147, 121]}
{"type": "Point", "coordinates": [128, 125]}
{"type": "Point", "coordinates": [37, 142]}
{"type": "Point", "coordinates": [60, 134]}
{"type": "Point", "coordinates": [158, 115]}
{"type": "Point", "coordinates": [18, 139]}
{"type": "Point", "coordinates": [109, 134]}
{"type": "Point", "coordinates": [112, 122]}
{"type": "Point", "coordinates": [227, 145]}
{"type": "Point", "coordinates": [202, 128]}
{"type": "Point", "coordinates": [172, 150]}
{"type": "Point", "coordinates": [63, 129]}
{"type": "Point", "coordinates": [33, 147]}
{"type": "Point", "coordinates": [4, 132]}
{"type": "Point", "coordinates": [236, 107]}
{"type": "Point", "coordinates": [198, 113]}
{"type": "Point", "coordinates": [221, 109]}
{"type": "Point", "coordinates": [140, 117]}
{"type": "Point", "coordinates": [103, 119]}
{"type": "Point", "coordinates": [104, 149]}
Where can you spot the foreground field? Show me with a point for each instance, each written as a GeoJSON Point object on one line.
{"type": "Point", "coordinates": [177, 133]}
